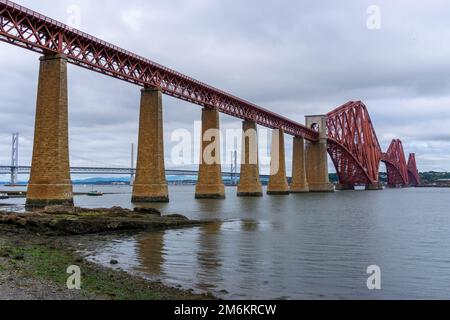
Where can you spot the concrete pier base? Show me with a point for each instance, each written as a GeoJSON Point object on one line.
{"type": "Point", "coordinates": [374, 187]}
{"type": "Point", "coordinates": [299, 182]}
{"type": "Point", "coordinates": [250, 183]}
{"type": "Point", "coordinates": [317, 157]}
{"type": "Point", "coordinates": [343, 187]}
{"type": "Point", "coordinates": [150, 184]}
{"type": "Point", "coordinates": [210, 184]}
{"type": "Point", "coordinates": [278, 184]}
{"type": "Point", "coordinates": [50, 182]}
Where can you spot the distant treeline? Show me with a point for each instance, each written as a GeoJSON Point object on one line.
{"type": "Point", "coordinates": [430, 177]}
{"type": "Point", "coordinates": [433, 177]}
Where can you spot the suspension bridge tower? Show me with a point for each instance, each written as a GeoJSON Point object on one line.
{"type": "Point", "coordinates": [14, 159]}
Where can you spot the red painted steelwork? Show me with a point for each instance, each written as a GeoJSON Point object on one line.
{"type": "Point", "coordinates": [396, 165]}
{"type": "Point", "coordinates": [353, 144]}
{"type": "Point", "coordinates": [413, 173]}
{"type": "Point", "coordinates": [31, 30]}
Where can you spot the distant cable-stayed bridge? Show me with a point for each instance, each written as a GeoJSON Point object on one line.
{"type": "Point", "coordinates": [101, 171]}
{"type": "Point", "coordinates": [25, 170]}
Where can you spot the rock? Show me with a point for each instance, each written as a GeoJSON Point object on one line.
{"type": "Point", "coordinates": [177, 216]}
{"type": "Point", "coordinates": [150, 211]}
{"type": "Point", "coordinates": [114, 262]}
{"type": "Point", "coordinates": [114, 211]}
{"type": "Point", "coordinates": [22, 222]}
{"type": "Point", "coordinates": [118, 210]}
{"type": "Point", "coordinates": [12, 218]}
{"type": "Point", "coordinates": [59, 210]}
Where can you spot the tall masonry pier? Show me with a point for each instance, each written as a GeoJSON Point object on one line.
{"type": "Point", "coordinates": [150, 184]}
{"type": "Point", "coordinates": [250, 184]}
{"type": "Point", "coordinates": [210, 184]}
{"type": "Point", "coordinates": [299, 182]}
{"type": "Point", "coordinates": [317, 156]}
{"type": "Point", "coordinates": [50, 182]}
{"type": "Point", "coordinates": [278, 184]}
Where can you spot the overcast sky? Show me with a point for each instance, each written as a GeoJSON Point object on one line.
{"type": "Point", "coordinates": [293, 57]}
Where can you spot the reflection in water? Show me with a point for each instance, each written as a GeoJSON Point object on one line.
{"type": "Point", "coordinates": [299, 246]}
{"type": "Point", "coordinates": [150, 251]}
{"type": "Point", "coordinates": [206, 206]}
{"type": "Point", "coordinates": [209, 256]}
{"type": "Point", "coordinates": [249, 225]}
{"type": "Point", "coordinates": [253, 260]}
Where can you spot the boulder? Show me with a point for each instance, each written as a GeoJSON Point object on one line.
{"type": "Point", "coordinates": [59, 210]}
{"type": "Point", "coordinates": [177, 216]}
{"type": "Point", "coordinates": [150, 211]}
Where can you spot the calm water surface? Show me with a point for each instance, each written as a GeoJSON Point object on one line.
{"type": "Point", "coordinates": [294, 247]}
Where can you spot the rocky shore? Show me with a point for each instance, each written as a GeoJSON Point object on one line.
{"type": "Point", "coordinates": [36, 248]}
{"type": "Point", "coordinates": [58, 220]}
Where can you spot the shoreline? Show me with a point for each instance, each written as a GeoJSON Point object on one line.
{"type": "Point", "coordinates": [33, 264]}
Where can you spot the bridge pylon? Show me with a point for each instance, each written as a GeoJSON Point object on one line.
{"type": "Point", "coordinates": [278, 184]}
{"type": "Point", "coordinates": [317, 156]}
{"type": "Point", "coordinates": [299, 182]}
{"type": "Point", "coordinates": [150, 184]}
{"type": "Point", "coordinates": [250, 183]}
{"type": "Point", "coordinates": [14, 159]}
{"type": "Point", "coordinates": [50, 182]}
{"type": "Point", "coordinates": [353, 146]}
{"type": "Point", "coordinates": [210, 184]}
{"type": "Point", "coordinates": [413, 172]}
{"type": "Point", "coordinates": [396, 166]}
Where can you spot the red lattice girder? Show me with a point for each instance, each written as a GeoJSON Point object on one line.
{"type": "Point", "coordinates": [28, 29]}
{"type": "Point", "coordinates": [413, 172]}
{"type": "Point", "coordinates": [353, 144]}
{"type": "Point", "coordinates": [396, 166]}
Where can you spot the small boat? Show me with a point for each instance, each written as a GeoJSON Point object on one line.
{"type": "Point", "coordinates": [95, 194]}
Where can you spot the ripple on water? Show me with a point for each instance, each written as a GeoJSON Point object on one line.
{"type": "Point", "coordinates": [301, 246]}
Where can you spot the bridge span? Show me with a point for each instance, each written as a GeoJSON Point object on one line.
{"type": "Point", "coordinates": [346, 134]}
{"type": "Point", "coordinates": [26, 170]}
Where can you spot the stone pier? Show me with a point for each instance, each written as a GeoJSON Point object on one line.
{"type": "Point", "coordinates": [150, 184]}
{"type": "Point", "coordinates": [299, 182]}
{"type": "Point", "coordinates": [317, 157]}
{"type": "Point", "coordinates": [250, 184]}
{"type": "Point", "coordinates": [374, 186]}
{"type": "Point", "coordinates": [278, 184]}
{"type": "Point", "coordinates": [210, 184]}
{"type": "Point", "coordinates": [344, 187]}
{"type": "Point", "coordinates": [50, 182]}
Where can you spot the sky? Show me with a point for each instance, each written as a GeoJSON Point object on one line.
{"type": "Point", "coordinates": [293, 57]}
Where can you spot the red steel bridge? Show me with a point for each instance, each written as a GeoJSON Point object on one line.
{"type": "Point", "coordinates": [352, 141]}
{"type": "Point", "coordinates": [356, 153]}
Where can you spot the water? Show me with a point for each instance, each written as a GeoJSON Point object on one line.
{"type": "Point", "coordinates": [294, 247]}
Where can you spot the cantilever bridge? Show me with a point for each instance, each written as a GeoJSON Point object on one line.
{"type": "Point", "coordinates": [354, 148]}
{"type": "Point", "coordinates": [346, 134]}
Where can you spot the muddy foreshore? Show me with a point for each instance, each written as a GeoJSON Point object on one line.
{"type": "Point", "coordinates": [36, 248]}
